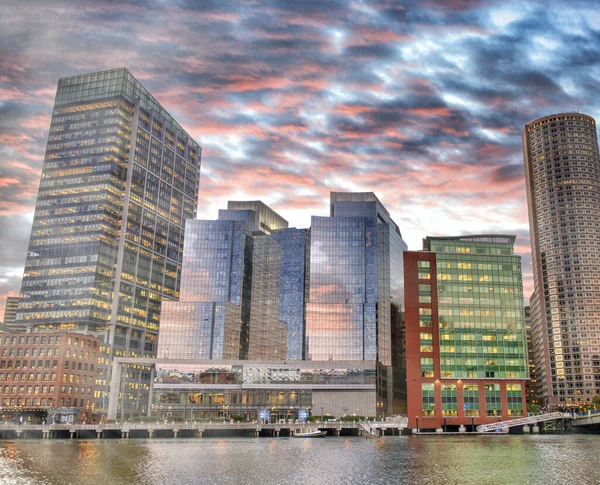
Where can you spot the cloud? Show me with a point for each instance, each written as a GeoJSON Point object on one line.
{"type": "Point", "coordinates": [422, 102]}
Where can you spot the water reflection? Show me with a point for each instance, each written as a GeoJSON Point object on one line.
{"type": "Point", "coordinates": [435, 460]}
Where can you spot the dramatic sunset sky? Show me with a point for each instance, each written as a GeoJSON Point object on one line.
{"type": "Point", "coordinates": [421, 102]}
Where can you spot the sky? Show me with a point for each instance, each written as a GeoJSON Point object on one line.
{"type": "Point", "coordinates": [422, 102]}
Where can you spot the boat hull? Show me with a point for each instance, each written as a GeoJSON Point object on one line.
{"type": "Point", "coordinates": [311, 434]}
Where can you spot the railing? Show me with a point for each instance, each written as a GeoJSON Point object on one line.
{"type": "Point", "coordinates": [366, 426]}
{"type": "Point", "coordinates": [522, 421]}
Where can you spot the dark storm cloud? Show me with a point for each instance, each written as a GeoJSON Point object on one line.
{"type": "Point", "coordinates": [508, 173]}
{"type": "Point", "coordinates": [372, 51]}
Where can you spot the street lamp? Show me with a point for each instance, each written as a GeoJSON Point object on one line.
{"type": "Point", "coordinates": [322, 417]}
{"type": "Point", "coordinates": [417, 423]}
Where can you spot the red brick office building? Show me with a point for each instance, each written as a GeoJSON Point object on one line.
{"type": "Point", "coordinates": [53, 372]}
{"type": "Point", "coordinates": [466, 357]}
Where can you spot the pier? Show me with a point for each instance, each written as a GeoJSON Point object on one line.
{"type": "Point", "coordinates": [127, 430]}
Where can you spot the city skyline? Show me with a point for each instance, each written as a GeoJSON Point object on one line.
{"type": "Point", "coordinates": [424, 105]}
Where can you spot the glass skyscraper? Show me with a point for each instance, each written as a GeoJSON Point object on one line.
{"type": "Point", "coordinates": [355, 302]}
{"type": "Point", "coordinates": [294, 245]}
{"type": "Point", "coordinates": [356, 274]}
{"type": "Point", "coordinates": [480, 307]}
{"type": "Point", "coordinates": [331, 296]}
{"type": "Point", "coordinates": [120, 177]}
{"type": "Point", "coordinates": [562, 171]}
{"type": "Point", "coordinates": [230, 291]}
{"type": "Point", "coordinates": [208, 320]}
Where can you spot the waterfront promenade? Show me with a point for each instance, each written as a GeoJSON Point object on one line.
{"type": "Point", "coordinates": [194, 429]}
{"type": "Point", "coordinates": [588, 422]}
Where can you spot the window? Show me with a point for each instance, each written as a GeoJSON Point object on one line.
{"type": "Point", "coordinates": [426, 342]}
{"type": "Point", "coordinates": [424, 293]}
{"type": "Point", "coordinates": [514, 399]}
{"type": "Point", "coordinates": [426, 367]}
{"type": "Point", "coordinates": [492, 400]}
{"type": "Point", "coordinates": [471, 399]}
{"type": "Point", "coordinates": [428, 399]}
{"type": "Point", "coordinates": [449, 400]}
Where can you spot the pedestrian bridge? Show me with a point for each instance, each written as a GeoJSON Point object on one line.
{"type": "Point", "coordinates": [523, 421]}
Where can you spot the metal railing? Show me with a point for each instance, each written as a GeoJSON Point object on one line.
{"type": "Point", "coordinates": [522, 421]}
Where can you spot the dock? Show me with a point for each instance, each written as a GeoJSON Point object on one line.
{"type": "Point", "coordinates": [125, 430]}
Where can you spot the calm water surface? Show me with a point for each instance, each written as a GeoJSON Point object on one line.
{"type": "Point", "coordinates": [573, 459]}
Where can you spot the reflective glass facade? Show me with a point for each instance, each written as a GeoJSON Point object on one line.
{"type": "Point", "coordinates": [356, 276]}
{"type": "Point", "coordinates": [242, 291]}
{"type": "Point", "coordinates": [264, 219]}
{"type": "Point", "coordinates": [120, 177]}
{"type": "Point", "coordinates": [293, 287]}
{"type": "Point", "coordinates": [341, 313]}
{"type": "Point", "coordinates": [480, 307]}
{"type": "Point", "coordinates": [562, 171]}
{"type": "Point", "coordinates": [329, 294]}
{"type": "Point", "coordinates": [267, 335]}
{"type": "Point", "coordinates": [208, 320]}
{"type": "Point", "coordinates": [248, 389]}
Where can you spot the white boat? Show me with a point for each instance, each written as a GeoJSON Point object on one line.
{"type": "Point", "coordinates": [316, 433]}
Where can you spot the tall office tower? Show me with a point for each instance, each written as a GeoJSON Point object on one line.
{"type": "Point", "coordinates": [562, 171]}
{"type": "Point", "coordinates": [267, 335]}
{"type": "Point", "coordinates": [276, 328]}
{"type": "Point", "coordinates": [212, 315]}
{"type": "Point", "coordinates": [120, 177]}
{"type": "Point", "coordinates": [10, 310]}
{"type": "Point", "coordinates": [356, 277]}
{"type": "Point", "coordinates": [466, 353]}
{"type": "Point", "coordinates": [229, 301]}
{"type": "Point", "coordinates": [293, 287]}
{"type": "Point", "coordinates": [331, 343]}
{"type": "Point", "coordinates": [356, 271]}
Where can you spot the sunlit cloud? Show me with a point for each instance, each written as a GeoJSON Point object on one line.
{"type": "Point", "coordinates": [421, 102]}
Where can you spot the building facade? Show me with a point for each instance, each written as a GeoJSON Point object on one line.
{"type": "Point", "coordinates": [48, 374]}
{"type": "Point", "coordinates": [531, 386]}
{"type": "Point", "coordinates": [211, 318]}
{"type": "Point", "coordinates": [120, 177]}
{"type": "Point", "coordinates": [294, 274]}
{"type": "Point", "coordinates": [466, 353]}
{"type": "Point", "coordinates": [318, 315]}
{"type": "Point", "coordinates": [10, 310]}
{"type": "Point", "coordinates": [562, 171]}
{"type": "Point", "coordinates": [355, 288]}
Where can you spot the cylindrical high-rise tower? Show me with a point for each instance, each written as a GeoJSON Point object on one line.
{"type": "Point", "coordinates": [562, 171]}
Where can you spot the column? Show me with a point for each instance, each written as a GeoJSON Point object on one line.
{"type": "Point", "coordinates": [115, 381]}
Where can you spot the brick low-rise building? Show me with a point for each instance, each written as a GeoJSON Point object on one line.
{"type": "Point", "coordinates": [52, 372]}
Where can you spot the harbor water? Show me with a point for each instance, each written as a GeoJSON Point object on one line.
{"type": "Point", "coordinates": [507, 459]}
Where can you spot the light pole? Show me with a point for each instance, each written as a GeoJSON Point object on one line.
{"type": "Point", "coordinates": [322, 416]}
{"type": "Point", "coordinates": [417, 423]}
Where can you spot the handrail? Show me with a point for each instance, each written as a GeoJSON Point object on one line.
{"type": "Point", "coordinates": [522, 421]}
